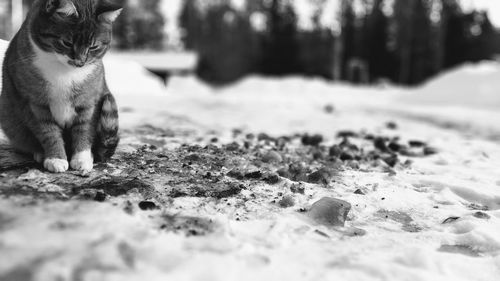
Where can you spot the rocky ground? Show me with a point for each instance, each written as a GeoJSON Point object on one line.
{"type": "Point", "coordinates": [378, 195]}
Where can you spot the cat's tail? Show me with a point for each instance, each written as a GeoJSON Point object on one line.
{"type": "Point", "coordinates": [107, 137]}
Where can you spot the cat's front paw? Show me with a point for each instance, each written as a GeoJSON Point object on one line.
{"type": "Point", "coordinates": [82, 161]}
{"type": "Point", "coordinates": [56, 165]}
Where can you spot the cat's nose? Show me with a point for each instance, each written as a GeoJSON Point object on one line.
{"type": "Point", "coordinates": [77, 63]}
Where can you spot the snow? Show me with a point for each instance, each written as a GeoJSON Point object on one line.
{"type": "Point", "coordinates": [171, 61]}
{"type": "Point", "coordinates": [281, 244]}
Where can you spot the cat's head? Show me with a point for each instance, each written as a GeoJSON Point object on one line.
{"type": "Point", "coordinates": [77, 32]}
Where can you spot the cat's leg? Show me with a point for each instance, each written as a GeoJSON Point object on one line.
{"type": "Point", "coordinates": [50, 136]}
{"type": "Point", "coordinates": [22, 139]}
{"type": "Point", "coordinates": [82, 134]}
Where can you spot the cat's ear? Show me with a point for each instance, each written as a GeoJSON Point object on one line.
{"type": "Point", "coordinates": [110, 16]}
{"type": "Point", "coordinates": [62, 7]}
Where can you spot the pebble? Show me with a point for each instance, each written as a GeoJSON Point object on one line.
{"type": "Point", "coordinates": [355, 232]}
{"type": "Point", "coordinates": [391, 125]}
{"type": "Point", "coordinates": [330, 211]}
{"type": "Point", "coordinates": [359, 192]}
{"type": "Point", "coordinates": [430, 151]}
{"type": "Point", "coordinates": [272, 157]}
{"type": "Point", "coordinates": [147, 206]}
{"type": "Point", "coordinates": [482, 215]}
{"type": "Point", "coordinates": [391, 160]}
{"type": "Point", "coordinates": [254, 175]}
{"type": "Point", "coordinates": [416, 143]}
{"type": "Point", "coordinates": [263, 137]}
{"type": "Point", "coordinates": [298, 188]}
{"type": "Point", "coordinates": [450, 220]}
{"type": "Point", "coordinates": [394, 146]}
{"type": "Point", "coordinates": [100, 196]}
{"type": "Point", "coordinates": [321, 176]}
{"type": "Point", "coordinates": [272, 178]}
{"type": "Point", "coordinates": [314, 140]}
{"type": "Point", "coordinates": [329, 108]}
{"type": "Point", "coordinates": [232, 146]}
{"type": "Point", "coordinates": [347, 134]}
{"type": "Point", "coordinates": [346, 156]}
{"type": "Point", "coordinates": [287, 201]}
{"type": "Point", "coordinates": [335, 151]}
{"type": "Point", "coordinates": [380, 144]}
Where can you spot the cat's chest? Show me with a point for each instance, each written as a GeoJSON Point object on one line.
{"type": "Point", "coordinates": [61, 83]}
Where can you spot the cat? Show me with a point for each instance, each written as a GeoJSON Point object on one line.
{"type": "Point", "coordinates": [55, 101]}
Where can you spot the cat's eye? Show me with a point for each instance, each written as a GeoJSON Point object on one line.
{"type": "Point", "coordinates": [94, 47]}
{"type": "Point", "coordinates": [66, 43]}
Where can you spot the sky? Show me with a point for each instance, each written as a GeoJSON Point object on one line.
{"type": "Point", "coordinates": [492, 6]}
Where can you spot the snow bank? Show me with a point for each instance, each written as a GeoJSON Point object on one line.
{"type": "Point", "coordinates": [471, 85]}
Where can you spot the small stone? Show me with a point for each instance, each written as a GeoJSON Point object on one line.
{"type": "Point", "coordinates": [346, 156]}
{"type": "Point", "coordinates": [478, 207]}
{"type": "Point", "coordinates": [272, 157]}
{"type": "Point", "coordinates": [380, 144]}
{"type": "Point", "coordinates": [263, 137]}
{"type": "Point", "coordinates": [272, 178]}
{"type": "Point", "coordinates": [285, 173]}
{"type": "Point", "coordinates": [287, 201]}
{"type": "Point", "coordinates": [236, 174]}
{"type": "Point", "coordinates": [359, 192]}
{"type": "Point", "coordinates": [329, 108]}
{"type": "Point", "coordinates": [320, 176]}
{"type": "Point", "coordinates": [321, 233]}
{"type": "Point", "coordinates": [147, 206]}
{"type": "Point", "coordinates": [314, 140]}
{"type": "Point", "coordinates": [232, 146]}
{"type": "Point", "coordinates": [347, 134]}
{"type": "Point", "coordinates": [355, 232]}
{"type": "Point", "coordinates": [482, 215]}
{"type": "Point", "coordinates": [416, 143]}
{"type": "Point", "coordinates": [254, 175]}
{"type": "Point", "coordinates": [298, 172]}
{"type": "Point", "coordinates": [237, 132]}
{"type": "Point", "coordinates": [391, 160]}
{"type": "Point", "coordinates": [430, 151]}
{"type": "Point", "coordinates": [369, 137]}
{"type": "Point", "coordinates": [394, 146]}
{"type": "Point", "coordinates": [450, 220]}
{"type": "Point", "coordinates": [335, 151]}
{"type": "Point", "coordinates": [330, 211]}
{"type": "Point", "coordinates": [298, 188]}
{"type": "Point", "coordinates": [391, 125]}
{"type": "Point", "coordinates": [100, 196]}
{"type": "Point", "coordinates": [128, 208]}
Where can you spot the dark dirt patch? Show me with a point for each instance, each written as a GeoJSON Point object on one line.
{"type": "Point", "coordinates": [190, 226]}
{"type": "Point", "coordinates": [156, 173]}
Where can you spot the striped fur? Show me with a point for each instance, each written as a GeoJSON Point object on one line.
{"type": "Point", "coordinates": [107, 137]}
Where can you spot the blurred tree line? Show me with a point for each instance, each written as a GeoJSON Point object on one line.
{"type": "Point", "coordinates": [405, 42]}
{"type": "Point", "coordinates": [402, 41]}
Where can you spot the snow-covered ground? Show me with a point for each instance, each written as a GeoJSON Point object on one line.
{"type": "Point", "coordinates": [402, 213]}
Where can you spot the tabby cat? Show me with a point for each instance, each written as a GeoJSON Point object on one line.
{"type": "Point", "coordinates": [55, 102]}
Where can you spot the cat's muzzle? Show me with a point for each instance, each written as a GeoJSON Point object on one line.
{"type": "Point", "coordinates": [76, 63]}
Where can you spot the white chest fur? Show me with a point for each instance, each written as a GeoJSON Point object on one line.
{"type": "Point", "coordinates": [62, 79]}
